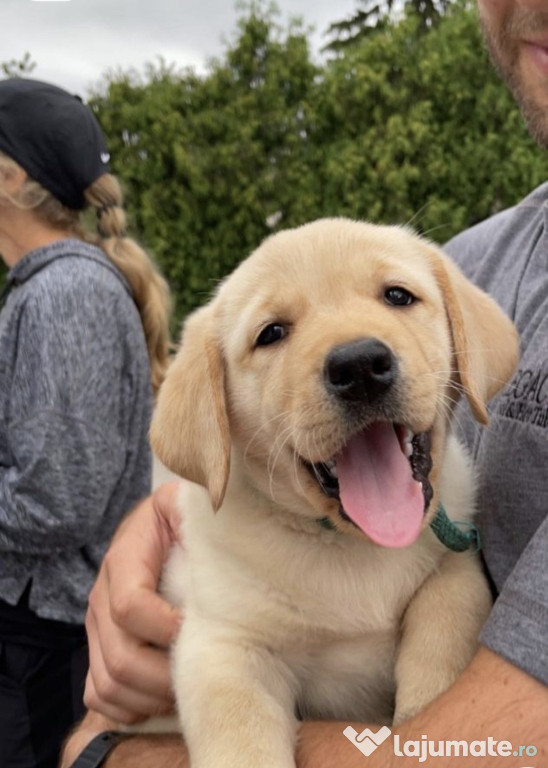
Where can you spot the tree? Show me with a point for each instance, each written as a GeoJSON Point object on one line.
{"type": "Point", "coordinates": [375, 15]}
{"type": "Point", "coordinates": [403, 126]}
{"type": "Point", "coordinates": [418, 127]}
{"type": "Point", "coordinates": [18, 68]}
{"type": "Point", "coordinates": [211, 160]}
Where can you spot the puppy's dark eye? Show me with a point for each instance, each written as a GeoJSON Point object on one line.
{"type": "Point", "coordinates": [271, 334]}
{"type": "Point", "coordinates": [398, 297]}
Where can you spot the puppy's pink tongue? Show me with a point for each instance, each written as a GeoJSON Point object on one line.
{"type": "Point", "coordinates": [377, 489]}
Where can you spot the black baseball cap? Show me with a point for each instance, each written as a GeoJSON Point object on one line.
{"type": "Point", "coordinates": [54, 136]}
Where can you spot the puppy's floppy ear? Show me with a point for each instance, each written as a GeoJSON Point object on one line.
{"type": "Point", "coordinates": [485, 341]}
{"type": "Point", "coordinates": [189, 431]}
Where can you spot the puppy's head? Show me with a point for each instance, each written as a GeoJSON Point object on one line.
{"type": "Point", "coordinates": [329, 363]}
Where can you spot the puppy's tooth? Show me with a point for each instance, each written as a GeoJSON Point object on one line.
{"type": "Point", "coordinates": [407, 442]}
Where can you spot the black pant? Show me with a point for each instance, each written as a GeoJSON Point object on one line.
{"type": "Point", "coordinates": [41, 693]}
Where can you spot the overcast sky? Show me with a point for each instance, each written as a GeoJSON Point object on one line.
{"type": "Point", "coordinates": [74, 42]}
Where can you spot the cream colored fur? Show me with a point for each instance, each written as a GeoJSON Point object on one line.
{"type": "Point", "coordinates": [282, 615]}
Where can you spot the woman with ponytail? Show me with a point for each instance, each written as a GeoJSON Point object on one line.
{"type": "Point", "coordinates": [83, 347]}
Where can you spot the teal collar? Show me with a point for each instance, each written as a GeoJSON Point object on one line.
{"type": "Point", "coordinates": [456, 535]}
{"type": "Point", "coordinates": [449, 532]}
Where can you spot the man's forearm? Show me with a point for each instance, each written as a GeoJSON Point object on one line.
{"type": "Point", "coordinates": [492, 706]}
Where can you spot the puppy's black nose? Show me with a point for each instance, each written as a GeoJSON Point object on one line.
{"type": "Point", "coordinates": [361, 370]}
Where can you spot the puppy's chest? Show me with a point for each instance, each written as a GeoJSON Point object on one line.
{"type": "Point", "coordinates": [295, 595]}
{"type": "Point", "coordinates": [344, 599]}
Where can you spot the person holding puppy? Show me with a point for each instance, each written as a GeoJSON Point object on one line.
{"type": "Point", "coordinates": [83, 344]}
{"type": "Point", "coordinates": [503, 694]}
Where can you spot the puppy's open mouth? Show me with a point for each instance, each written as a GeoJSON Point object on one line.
{"type": "Point", "coordinates": [380, 479]}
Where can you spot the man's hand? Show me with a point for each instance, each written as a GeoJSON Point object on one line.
{"type": "Point", "coordinates": [129, 626]}
{"type": "Point", "coordinates": [492, 698]}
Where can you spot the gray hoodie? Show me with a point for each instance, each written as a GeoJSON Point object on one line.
{"type": "Point", "coordinates": [75, 406]}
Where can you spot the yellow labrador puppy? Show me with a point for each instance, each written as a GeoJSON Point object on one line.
{"type": "Point", "coordinates": [310, 404]}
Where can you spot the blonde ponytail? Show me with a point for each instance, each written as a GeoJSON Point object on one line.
{"type": "Point", "coordinates": [150, 290]}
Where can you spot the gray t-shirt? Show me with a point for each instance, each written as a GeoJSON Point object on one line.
{"type": "Point", "coordinates": [507, 256]}
{"type": "Point", "coordinates": [75, 405]}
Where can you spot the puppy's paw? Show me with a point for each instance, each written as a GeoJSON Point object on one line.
{"type": "Point", "coordinates": [401, 715]}
{"type": "Point", "coordinates": [417, 693]}
{"type": "Point", "coordinates": [242, 761]}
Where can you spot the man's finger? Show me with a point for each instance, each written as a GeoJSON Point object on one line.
{"type": "Point", "coordinates": [118, 661]}
{"type": "Point", "coordinates": [147, 616]}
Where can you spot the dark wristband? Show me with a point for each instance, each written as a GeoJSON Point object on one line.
{"type": "Point", "coordinates": [98, 748]}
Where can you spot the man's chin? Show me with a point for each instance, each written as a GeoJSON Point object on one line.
{"type": "Point", "coordinates": [519, 69]}
{"type": "Point", "coordinates": [530, 93]}
{"type": "Point", "coordinates": [535, 116]}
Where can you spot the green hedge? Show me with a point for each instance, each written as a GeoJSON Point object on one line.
{"type": "Point", "coordinates": [403, 126]}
